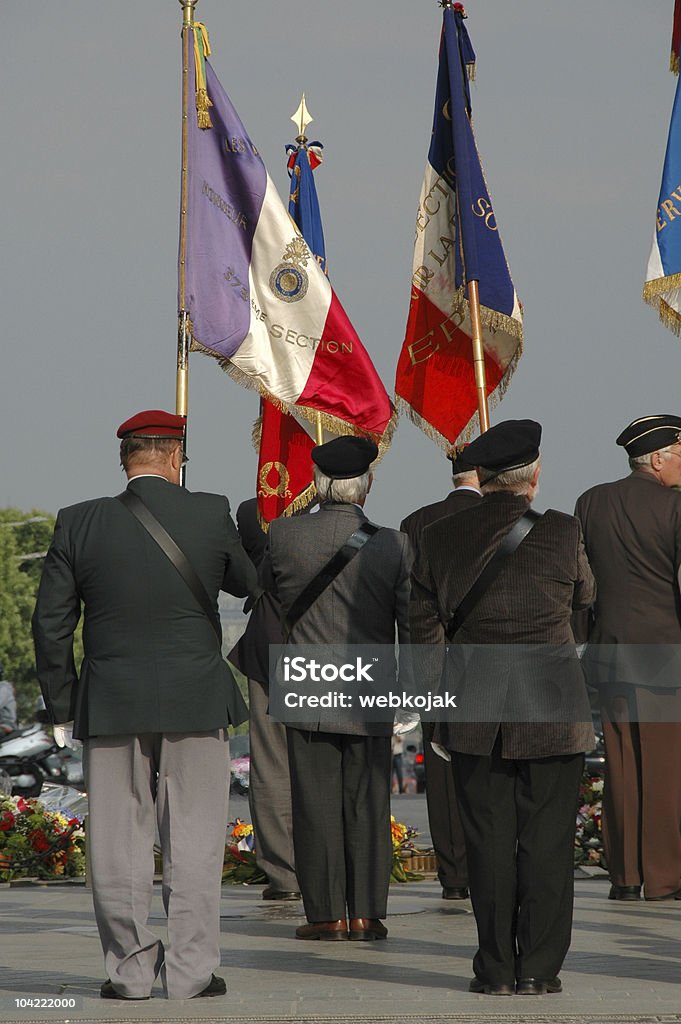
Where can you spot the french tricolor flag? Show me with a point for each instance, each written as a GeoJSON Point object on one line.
{"type": "Point", "coordinates": [456, 241]}
{"type": "Point", "coordinates": [257, 299]}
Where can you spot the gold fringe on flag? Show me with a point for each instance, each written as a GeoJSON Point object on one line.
{"type": "Point", "coordinates": [654, 292]}
{"type": "Point", "coordinates": [201, 51]}
{"type": "Point", "coordinates": [472, 428]}
{"type": "Point", "coordinates": [331, 423]}
{"type": "Point", "coordinates": [674, 63]}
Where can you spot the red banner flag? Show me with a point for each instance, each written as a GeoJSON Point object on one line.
{"type": "Point", "coordinates": [284, 464]}
{"type": "Point", "coordinates": [676, 38]}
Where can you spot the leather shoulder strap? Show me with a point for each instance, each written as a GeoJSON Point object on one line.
{"type": "Point", "coordinates": [327, 575]}
{"type": "Point", "coordinates": [174, 553]}
{"type": "Point", "coordinates": [496, 563]}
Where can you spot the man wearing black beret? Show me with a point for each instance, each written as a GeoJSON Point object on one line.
{"type": "Point", "coordinates": [632, 531]}
{"type": "Point", "coordinates": [151, 701]}
{"type": "Point", "coordinates": [490, 577]}
{"type": "Point", "coordinates": [340, 763]}
{"type": "Point", "coordinates": [443, 811]}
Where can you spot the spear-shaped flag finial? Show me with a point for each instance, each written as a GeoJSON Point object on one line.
{"type": "Point", "coordinates": [301, 119]}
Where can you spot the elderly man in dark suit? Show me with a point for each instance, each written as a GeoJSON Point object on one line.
{"type": "Point", "coordinates": [443, 811]}
{"type": "Point", "coordinates": [517, 771]}
{"type": "Point", "coordinates": [340, 765]}
{"type": "Point", "coordinates": [269, 789]}
{"type": "Point", "coordinates": [152, 703]}
{"type": "Point", "coordinates": [632, 532]}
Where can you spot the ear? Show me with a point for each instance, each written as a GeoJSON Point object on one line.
{"type": "Point", "coordinates": [535, 475]}
{"type": "Point", "coordinates": [371, 480]}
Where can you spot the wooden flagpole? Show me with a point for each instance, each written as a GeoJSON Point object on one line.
{"type": "Point", "coordinates": [183, 330]}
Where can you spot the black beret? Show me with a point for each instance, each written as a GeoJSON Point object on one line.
{"type": "Point", "coordinates": [650, 433]}
{"type": "Point", "coordinates": [459, 461]}
{"type": "Point", "coordinates": [345, 457]}
{"type": "Point", "coordinates": [508, 445]}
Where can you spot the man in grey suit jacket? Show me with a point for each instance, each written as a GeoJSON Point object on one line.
{"type": "Point", "coordinates": [269, 789]}
{"type": "Point", "coordinates": [517, 769]}
{"type": "Point", "coordinates": [151, 703]}
{"type": "Point", "coordinates": [443, 810]}
{"type": "Point", "coordinates": [632, 532]}
{"type": "Point", "coordinates": [340, 764]}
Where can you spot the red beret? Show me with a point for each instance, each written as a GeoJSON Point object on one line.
{"type": "Point", "coordinates": [153, 423]}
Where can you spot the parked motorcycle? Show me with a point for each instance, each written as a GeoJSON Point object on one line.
{"type": "Point", "coordinates": [30, 758]}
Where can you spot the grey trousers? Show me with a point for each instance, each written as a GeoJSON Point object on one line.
{"type": "Point", "coordinates": [178, 782]}
{"type": "Point", "coordinates": [269, 792]}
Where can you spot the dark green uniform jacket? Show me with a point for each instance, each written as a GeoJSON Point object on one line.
{"type": "Point", "coordinates": [152, 661]}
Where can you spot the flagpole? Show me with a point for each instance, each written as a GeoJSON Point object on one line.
{"type": "Point", "coordinates": [183, 330]}
{"type": "Point", "coordinates": [474, 298]}
{"type": "Point", "coordinates": [478, 355]}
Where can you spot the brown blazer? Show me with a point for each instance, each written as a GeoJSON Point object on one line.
{"type": "Point", "coordinates": [414, 525]}
{"type": "Point", "coordinates": [632, 533]}
{"type": "Point", "coordinates": [530, 604]}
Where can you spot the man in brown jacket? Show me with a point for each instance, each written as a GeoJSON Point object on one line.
{"type": "Point", "coordinates": [632, 532]}
{"type": "Point", "coordinates": [520, 751]}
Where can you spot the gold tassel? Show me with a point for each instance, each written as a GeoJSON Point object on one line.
{"type": "Point", "coordinates": [201, 51]}
{"type": "Point", "coordinates": [674, 63]}
{"type": "Point", "coordinates": [472, 72]}
{"type": "Point", "coordinates": [203, 102]}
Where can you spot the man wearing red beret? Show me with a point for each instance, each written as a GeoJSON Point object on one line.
{"type": "Point", "coordinates": [151, 703]}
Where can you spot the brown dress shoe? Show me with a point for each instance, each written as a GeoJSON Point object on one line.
{"type": "Point", "coordinates": [364, 929]}
{"type": "Point", "coordinates": [328, 931]}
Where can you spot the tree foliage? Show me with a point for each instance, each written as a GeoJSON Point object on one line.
{"type": "Point", "coordinates": [24, 539]}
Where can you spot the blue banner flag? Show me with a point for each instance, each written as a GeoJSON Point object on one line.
{"type": "Point", "coordinates": [662, 288]}
{"type": "Point", "coordinates": [303, 204]}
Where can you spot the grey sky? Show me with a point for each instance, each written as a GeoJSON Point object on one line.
{"type": "Point", "coordinates": [571, 110]}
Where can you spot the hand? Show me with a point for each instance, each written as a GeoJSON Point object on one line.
{"type": "Point", "coordinates": [441, 751]}
{"type": "Point", "coordinates": [63, 736]}
{"type": "Point", "coordinates": [404, 722]}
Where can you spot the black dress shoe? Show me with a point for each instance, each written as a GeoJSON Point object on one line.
{"type": "Point", "coordinates": [676, 895]}
{"type": "Point", "coordinates": [625, 892]}
{"type": "Point", "coordinates": [269, 893]}
{"type": "Point", "coordinates": [481, 988]}
{"type": "Point", "coordinates": [215, 987]}
{"type": "Point", "coordinates": [455, 892]}
{"type": "Point", "coordinates": [538, 986]}
{"type": "Point", "coordinates": [107, 991]}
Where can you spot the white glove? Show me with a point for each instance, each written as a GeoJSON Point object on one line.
{"type": "Point", "coordinates": [405, 721]}
{"type": "Point", "coordinates": [441, 751]}
{"type": "Point", "coordinates": [63, 736]}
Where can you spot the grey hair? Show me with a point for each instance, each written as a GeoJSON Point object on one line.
{"type": "Point", "coordinates": [470, 476]}
{"type": "Point", "coordinates": [515, 480]}
{"type": "Point", "coordinates": [148, 449]}
{"type": "Point", "coordinates": [635, 461]}
{"type": "Point", "coordinates": [344, 492]}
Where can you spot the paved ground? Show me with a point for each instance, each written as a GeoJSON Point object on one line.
{"type": "Point", "coordinates": [624, 966]}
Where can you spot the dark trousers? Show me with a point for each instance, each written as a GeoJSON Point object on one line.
{"type": "Point", "coordinates": [340, 788]}
{"type": "Point", "coordinates": [642, 796]}
{"type": "Point", "coordinates": [444, 819]}
{"type": "Point", "coordinates": [519, 822]}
